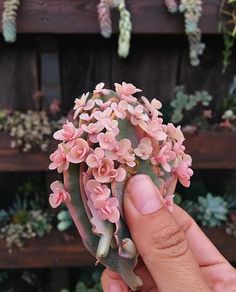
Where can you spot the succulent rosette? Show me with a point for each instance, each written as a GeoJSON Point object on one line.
{"type": "Point", "coordinates": [114, 136]}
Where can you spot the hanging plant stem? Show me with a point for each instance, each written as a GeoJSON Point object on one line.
{"type": "Point", "coordinates": [9, 20]}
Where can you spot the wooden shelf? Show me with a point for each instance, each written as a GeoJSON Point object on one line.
{"type": "Point", "coordinates": [209, 150]}
{"type": "Point", "coordinates": [50, 251]}
{"type": "Point", "coordinates": [212, 150]}
{"type": "Point", "coordinates": [55, 251]}
{"type": "Point", "coordinates": [73, 16]}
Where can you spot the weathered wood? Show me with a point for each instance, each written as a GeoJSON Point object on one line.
{"type": "Point", "coordinates": [54, 251]}
{"type": "Point", "coordinates": [209, 150]}
{"type": "Point", "coordinates": [49, 70]}
{"type": "Point", "coordinates": [50, 251]}
{"type": "Point", "coordinates": [72, 16]}
{"type": "Point", "coordinates": [18, 77]}
{"type": "Point", "coordinates": [15, 160]}
{"type": "Point", "coordinates": [84, 63]}
{"type": "Point", "coordinates": [212, 150]}
{"type": "Point", "coordinates": [225, 243]}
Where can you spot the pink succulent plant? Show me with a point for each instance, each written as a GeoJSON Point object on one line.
{"type": "Point", "coordinates": [59, 195]}
{"type": "Point", "coordinates": [117, 137]}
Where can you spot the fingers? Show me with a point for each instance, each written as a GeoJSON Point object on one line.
{"type": "Point", "coordinates": [204, 251]}
{"type": "Point", "coordinates": [160, 241]}
{"type": "Point", "coordinates": [109, 278]}
{"type": "Point", "coordinates": [112, 282]}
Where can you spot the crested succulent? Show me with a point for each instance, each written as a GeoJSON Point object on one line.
{"type": "Point", "coordinates": [114, 136]}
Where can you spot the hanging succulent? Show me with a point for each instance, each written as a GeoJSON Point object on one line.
{"type": "Point", "coordinates": [125, 26]}
{"type": "Point", "coordinates": [104, 17]}
{"type": "Point", "coordinates": [9, 20]}
{"type": "Point", "coordinates": [115, 137]}
{"type": "Point", "coordinates": [171, 5]}
{"type": "Point", "coordinates": [228, 28]}
{"type": "Point", "coordinates": [192, 11]}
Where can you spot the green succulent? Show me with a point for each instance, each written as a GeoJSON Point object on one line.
{"type": "Point", "coordinates": [212, 211]}
{"type": "Point", "coordinates": [184, 102]}
{"type": "Point", "coordinates": [64, 219]}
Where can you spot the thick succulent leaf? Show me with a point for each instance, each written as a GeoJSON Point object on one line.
{"type": "Point", "coordinates": [127, 130]}
{"type": "Point", "coordinates": [113, 261]}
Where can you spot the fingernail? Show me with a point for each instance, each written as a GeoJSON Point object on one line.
{"type": "Point", "coordinates": [115, 287]}
{"type": "Point", "coordinates": [143, 194]}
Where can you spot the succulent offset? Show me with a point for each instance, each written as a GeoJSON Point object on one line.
{"type": "Point", "coordinates": [113, 137]}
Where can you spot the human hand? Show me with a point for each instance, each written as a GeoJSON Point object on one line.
{"type": "Point", "coordinates": [175, 255]}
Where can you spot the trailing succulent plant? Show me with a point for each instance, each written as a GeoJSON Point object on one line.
{"type": "Point", "coordinates": [228, 28]}
{"type": "Point", "coordinates": [183, 105]}
{"type": "Point", "coordinates": [210, 210]}
{"type": "Point", "coordinates": [9, 20]}
{"type": "Point", "coordinates": [125, 25]}
{"type": "Point", "coordinates": [192, 11]}
{"type": "Point", "coordinates": [172, 5]}
{"type": "Point", "coordinates": [113, 137]}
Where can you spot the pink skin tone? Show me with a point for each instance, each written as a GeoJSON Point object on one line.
{"type": "Point", "coordinates": [59, 159]}
{"type": "Point", "coordinates": [126, 91]}
{"type": "Point", "coordinates": [107, 209]}
{"type": "Point", "coordinates": [68, 132]}
{"type": "Point", "coordinates": [59, 195]}
{"type": "Point", "coordinates": [81, 104]}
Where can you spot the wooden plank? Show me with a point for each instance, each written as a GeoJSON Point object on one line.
{"type": "Point", "coordinates": [212, 150]}
{"type": "Point", "coordinates": [50, 251]}
{"type": "Point", "coordinates": [72, 16]}
{"type": "Point", "coordinates": [49, 70]}
{"type": "Point", "coordinates": [83, 66]}
{"type": "Point", "coordinates": [225, 243]}
{"type": "Point", "coordinates": [15, 160]}
{"type": "Point", "coordinates": [209, 150]}
{"type": "Point", "coordinates": [152, 66]}
{"type": "Point", "coordinates": [18, 77]}
{"type": "Point", "coordinates": [54, 251]}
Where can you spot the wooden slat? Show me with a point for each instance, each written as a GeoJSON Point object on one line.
{"type": "Point", "coordinates": [212, 150]}
{"type": "Point", "coordinates": [50, 251]}
{"type": "Point", "coordinates": [54, 251]}
{"type": "Point", "coordinates": [73, 16]}
{"type": "Point", "coordinates": [14, 160]}
{"type": "Point", "coordinates": [18, 77]}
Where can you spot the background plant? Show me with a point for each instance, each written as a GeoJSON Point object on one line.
{"type": "Point", "coordinates": [188, 109]}
{"type": "Point", "coordinates": [9, 19]}
{"type": "Point", "coordinates": [26, 217]}
{"type": "Point", "coordinates": [228, 27]}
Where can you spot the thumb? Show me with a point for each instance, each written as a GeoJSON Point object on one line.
{"type": "Point", "coordinates": [159, 239]}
